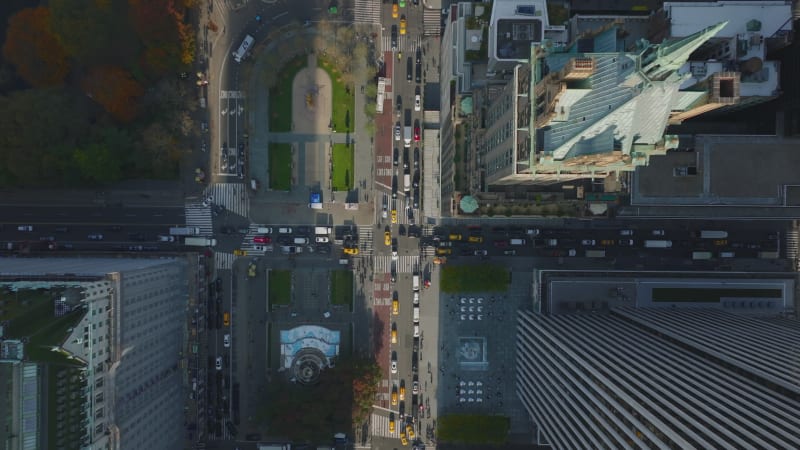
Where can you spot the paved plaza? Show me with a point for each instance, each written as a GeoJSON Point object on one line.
{"type": "Point", "coordinates": [477, 332]}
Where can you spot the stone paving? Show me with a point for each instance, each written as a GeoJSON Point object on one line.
{"type": "Point", "coordinates": [477, 353]}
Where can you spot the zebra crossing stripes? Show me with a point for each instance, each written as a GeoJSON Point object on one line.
{"type": "Point", "coordinates": [199, 216]}
{"type": "Point", "coordinates": [223, 261]}
{"type": "Point", "coordinates": [792, 239]}
{"type": "Point", "coordinates": [365, 244]}
{"type": "Point", "coordinates": [367, 11]}
{"type": "Point", "coordinates": [404, 263]}
{"type": "Point", "coordinates": [405, 43]}
{"type": "Point", "coordinates": [233, 196]}
{"type": "Point", "coordinates": [432, 22]}
{"type": "Point", "coordinates": [427, 250]}
{"type": "Point", "coordinates": [380, 426]}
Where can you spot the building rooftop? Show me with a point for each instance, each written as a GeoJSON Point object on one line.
{"type": "Point", "coordinates": [765, 17]}
{"type": "Point", "coordinates": [515, 25]}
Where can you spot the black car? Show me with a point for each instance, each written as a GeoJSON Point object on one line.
{"type": "Point", "coordinates": [137, 237]}
{"type": "Point", "coordinates": [394, 37]}
{"type": "Point", "coordinates": [399, 103]}
{"type": "Point", "coordinates": [218, 284]}
{"type": "Point", "coordinates": [416, 179]}
{"type": "Point", "coordinates": [416, 157]}
{"type": "Point", "coordinates": [396, 156]}
{"type": "Point", "coordinates": [405, 158]}
{"type": "Point", "coordinates": [409, 69]}
{"type": "Point", "coordinates": [419, 55]}
{"type": "Point", "coordinates": [414, 231]}
{"type": "Point", "coordinates": [419, 73]}
{"type": "Point", "coordinates": [324, 248]}
{"type": "Point", "coordinates": [304, 230]}
{"type": "Point", "coordinates": [227, 230]}
{"type": "Point", "coordinates": [394, 186]}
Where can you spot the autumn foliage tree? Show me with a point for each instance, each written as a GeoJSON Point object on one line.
{"type": "Point", "coordinates": [33, 49]}
{"type": "Point", "coordinates": [115, 90]}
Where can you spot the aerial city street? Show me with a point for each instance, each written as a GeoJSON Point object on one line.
{"type": "Point", "coordinates": [385, 224]}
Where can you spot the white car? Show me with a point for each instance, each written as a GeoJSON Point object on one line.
{"type": "Point", "coordinates": [219, 363]}
{"type": "Point", "coordinates": [226, 340]}
{"type": "Point", "coordinates": [658, 233]}
{"type": "Point", "coordinates": [397, 132]}
{"type": "Point", "coordinates": [164, 238]}
{"type": "Point", "coordinates": [417, 103]}
{"type": "Point", "coordinates": [588, 242]}
{"type": "Point", "coordinates": [285, 230]}
{"type": "Point", "coordinates": [322, 239]}
{"type": "Point", "coordinates": [25, 228]}
{"type": "Point", "coordinates": [415, 388]}
{"type": "Point", "coordinates": [394, 367]}
{"type": "Point", "coordinates": [626, 232]}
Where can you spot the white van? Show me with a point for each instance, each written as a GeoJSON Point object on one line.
{"type": "Point", "coordinates": [416, 297]}
{"type": "Point", "coordinates": [322, 231]}
{"type": "Point", "coordinates": [416, 330]}
{"type": "Point", "coordinates": [516, 241]}
{"type": "Point", "coordinates": [264, 230]}
{"type": "Point", "coordinates": [416, 313]}
{"type": "Point", "coordinates": [415, 282]}
{"type": "Point", "coordinates": [300, 240]}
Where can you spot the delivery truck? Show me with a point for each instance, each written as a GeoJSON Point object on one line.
{"type": "Point", "coordinates": [407, 136]}
{"type": "Point", "coordinates": [200, 241]}
{"type": "Point", "coordinates": [241, 52]}
{"type": "Point", "coordinates": [711, 234]}
{"type": "Point", "coordinates": [322, 231]}
{"type": "Point", "coordinates": [184, 231]}
{"type": "Point", "coordinates": [701, 255]}
{"type": "Point", "coordinates": [407, 182]}
{"type": "Point", "coordinates": [658, 244]}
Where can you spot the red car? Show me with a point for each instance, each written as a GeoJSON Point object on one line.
{"type": "Point", "coordinates": [502, 243]}
{"type": "Point", "coordinates": [262, 240]}
{"type": "Point", "coordinates": [416, 134]}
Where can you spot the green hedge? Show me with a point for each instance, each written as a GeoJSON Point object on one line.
{"type": "Point", "coordinates": [280, 287]}
{"type": "Point", "coordinates": [477, 278]}
{"type": "Point", "coordinates": [473, 429]}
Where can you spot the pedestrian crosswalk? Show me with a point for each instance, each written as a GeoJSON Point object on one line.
{"type": "Point", "coordinates": [233, 196]}
{"type": "Point", "coordinates": [223, 261]}
{"type": "Point", "coordinates": [432, 22]}
{"type": "Point", "coordinates": [199, 216]}
{"type": "Point", "coordinates": [365, 244]}
{"type": "Point", "coordinates": [791, 242]}
{"type": "Point", "coordinates": [252, 248]}
{"type": "Point", "coordinates": [367, 11]}
{"type": "Point", "coordinates": [406, 43]}
{"type": "Point", "coordinates": [404, 263]}
{"type": "Point", "coordinates": [380, 426]}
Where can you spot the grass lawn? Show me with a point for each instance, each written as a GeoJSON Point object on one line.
{"type": "Point", "coordinates": [342, 167]}
{"type": "Point", "coordinates": [280, 287]}
{"type": "Point", "coordinates": [477, 278]}
{"type": "Point", "coordinates": [280, 167]}
{"type": "Point", "coordinates": [342, 288]}
{"type": "Point", "coordinates": [343, 98]}
{"type": "Point", "coordinates": [280, 96]}
{"type": "Point", "coordinates": [473, 429]}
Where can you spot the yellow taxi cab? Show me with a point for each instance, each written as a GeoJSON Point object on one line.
{"type": "Point", "coordinates": [395, 11]}
{"type": "Point", "coordinates": [403, 439]}
{"type": "Point", "coordinates": [394, 396]}
{"type": "Point", "coordinates": [226, 319]}
{"type": "Point", "coordinates": [403, 25]}
{"type": "Point", "coordinates": [439, 261]}
{"type": "Point", "coordinates": [402, 392]}
{"type": "Point", "coordinates": [239, 252]}
{"type": "Point", "coordinates": [351, 251]}
{"type": "Point", "coordinates": [387, 237]}
{"type": "Point", "coordinates": [394, 216]}
{"type": "Point", "coordinates": [455, 237]}
{"type": "Point", "coordinates": [410, 431]}
{"type": "Point", "coordinates": [394, 333]}
{"type": "Point", "coordinates": [395, 307]}
{"type": "Point", "coordinates": [475, 239]}
{"type": "Point", "coordinates": [444, 251]}
{"type": "Point", "coordinates": [391, 424]}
